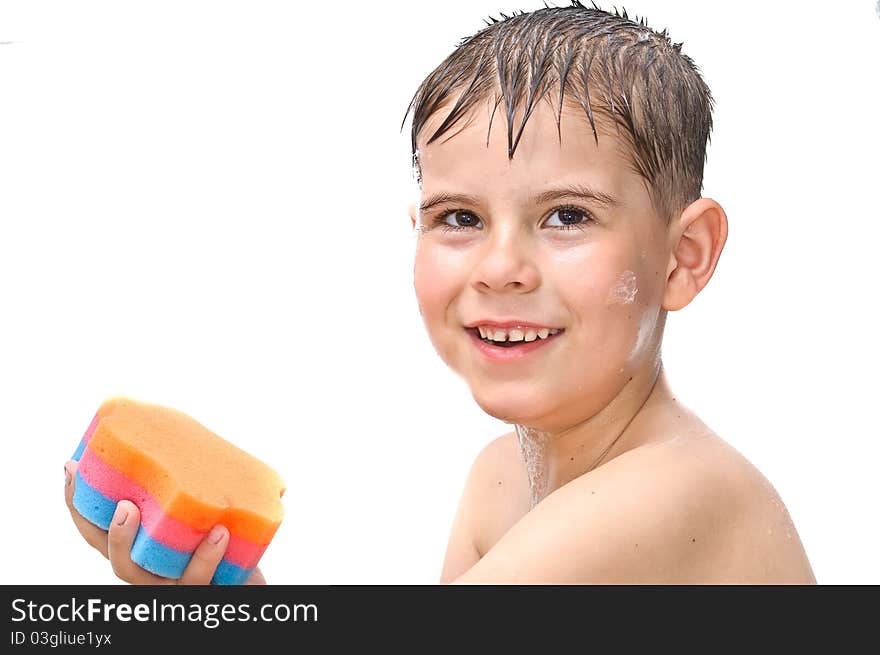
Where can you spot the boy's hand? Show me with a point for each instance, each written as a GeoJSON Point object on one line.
{"type": "Point", "coordinates": [116, 544]}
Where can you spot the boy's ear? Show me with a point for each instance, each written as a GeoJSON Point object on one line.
{"type": "Point", "coordinates": [700, 236]}
{"type": "Point", "coordinates": [412, 214]}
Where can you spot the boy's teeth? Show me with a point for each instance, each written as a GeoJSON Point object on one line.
{"type": "Point", "coordinates": [515, 334]}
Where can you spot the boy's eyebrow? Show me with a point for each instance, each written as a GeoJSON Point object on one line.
{"type": "Point", "coordinates": [576, 191]}
{"type": "Point", "coordinates": [568, 191]}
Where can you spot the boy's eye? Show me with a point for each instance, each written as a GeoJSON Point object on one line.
{"type": "Point", "coordinates": [568, 218]}
{"type": "Point", "coordinates": [459, 220]}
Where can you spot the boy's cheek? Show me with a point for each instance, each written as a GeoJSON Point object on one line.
{"type": "Point", "coordinates": [434, 282]}
{"type": "Point", "coordinates": [631, 314]}
{"type": "Point", "coordinates": [612, 326]}
{"type": "Point", "coordinates": [436, 286]}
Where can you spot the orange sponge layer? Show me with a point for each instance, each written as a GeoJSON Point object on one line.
{"type": "Point", "coordinates": [194, 475]}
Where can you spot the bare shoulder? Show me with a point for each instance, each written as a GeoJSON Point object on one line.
{"type": "Point", "coordinates": [704, 486]}
{"type": "Point", "coordinates": [764, 546]}
{"type": "Point", "coordinates": [685, 510]}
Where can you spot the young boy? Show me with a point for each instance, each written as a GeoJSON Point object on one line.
{"type": "Point", "coordinates": [560, 155]}
{"type": "Point", "coordinates": [550, 249]}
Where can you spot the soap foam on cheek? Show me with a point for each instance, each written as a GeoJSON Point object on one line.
{"type": "Point", "coordinates": [646, 329]}
{"type": "Point", "coordinates": [625, 290]}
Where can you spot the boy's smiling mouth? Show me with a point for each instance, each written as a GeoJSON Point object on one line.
{"type": "Point", "coordinates": [519, 335]}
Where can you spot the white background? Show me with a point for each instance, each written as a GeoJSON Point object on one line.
{"type": "Point", "coordinates": [204, 205]}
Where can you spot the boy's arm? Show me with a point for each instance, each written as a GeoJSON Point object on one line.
{"type": "Point", "coordinates": [646, 517]}
{"type": "Point", "coordinates": [461, 550]}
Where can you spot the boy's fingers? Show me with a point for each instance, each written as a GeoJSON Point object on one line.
{"type": "Point", "coordinates": [206, 557]}
{"type": "Point", "coordinates": [123, 529]}
{"type": "Point", "coordinates": [256, 577]}
{"type": "Point", "coordinates": [95, 536]}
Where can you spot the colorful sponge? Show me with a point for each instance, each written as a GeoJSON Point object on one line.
{"type": "Point", "coordinates": [184, 479]}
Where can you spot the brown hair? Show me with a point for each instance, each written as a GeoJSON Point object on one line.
{"type": "Point", "coordinates": [618, 70]}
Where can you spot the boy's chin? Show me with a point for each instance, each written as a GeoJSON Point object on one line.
{"type": "Point", "coordinates": [508, 407]}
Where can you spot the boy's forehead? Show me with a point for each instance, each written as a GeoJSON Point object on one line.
{"type": "Point", "coordinates": [545, 152]}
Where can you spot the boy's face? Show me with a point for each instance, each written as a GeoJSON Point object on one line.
{"type": "Point", "coordinates": [599, 281]}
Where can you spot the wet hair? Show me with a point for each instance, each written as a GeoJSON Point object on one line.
{"type": "Point", "coordinates": [622, 74]}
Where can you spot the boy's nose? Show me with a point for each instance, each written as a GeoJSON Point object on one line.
{"type": "Point", "coordinates": [505, 264]}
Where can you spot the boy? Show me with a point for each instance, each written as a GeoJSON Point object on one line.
{"type": "Point", "coordinates": [550, 249]}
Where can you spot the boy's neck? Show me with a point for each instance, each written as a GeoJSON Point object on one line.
{"type": "Point", "coordinates": [555, 458]}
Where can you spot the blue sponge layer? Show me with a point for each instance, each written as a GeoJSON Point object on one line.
{"type": "Point", "coordinates": [146, 552]}
{"type": "Point", "coordinates": [79, 450]}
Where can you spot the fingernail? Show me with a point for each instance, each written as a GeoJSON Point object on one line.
{"type": "Point", "coordinates": [216, 534]}
{"type": "Point", "coordinates": [120, 516]}
{"type": "Point", "coordinates": [66, 476]}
